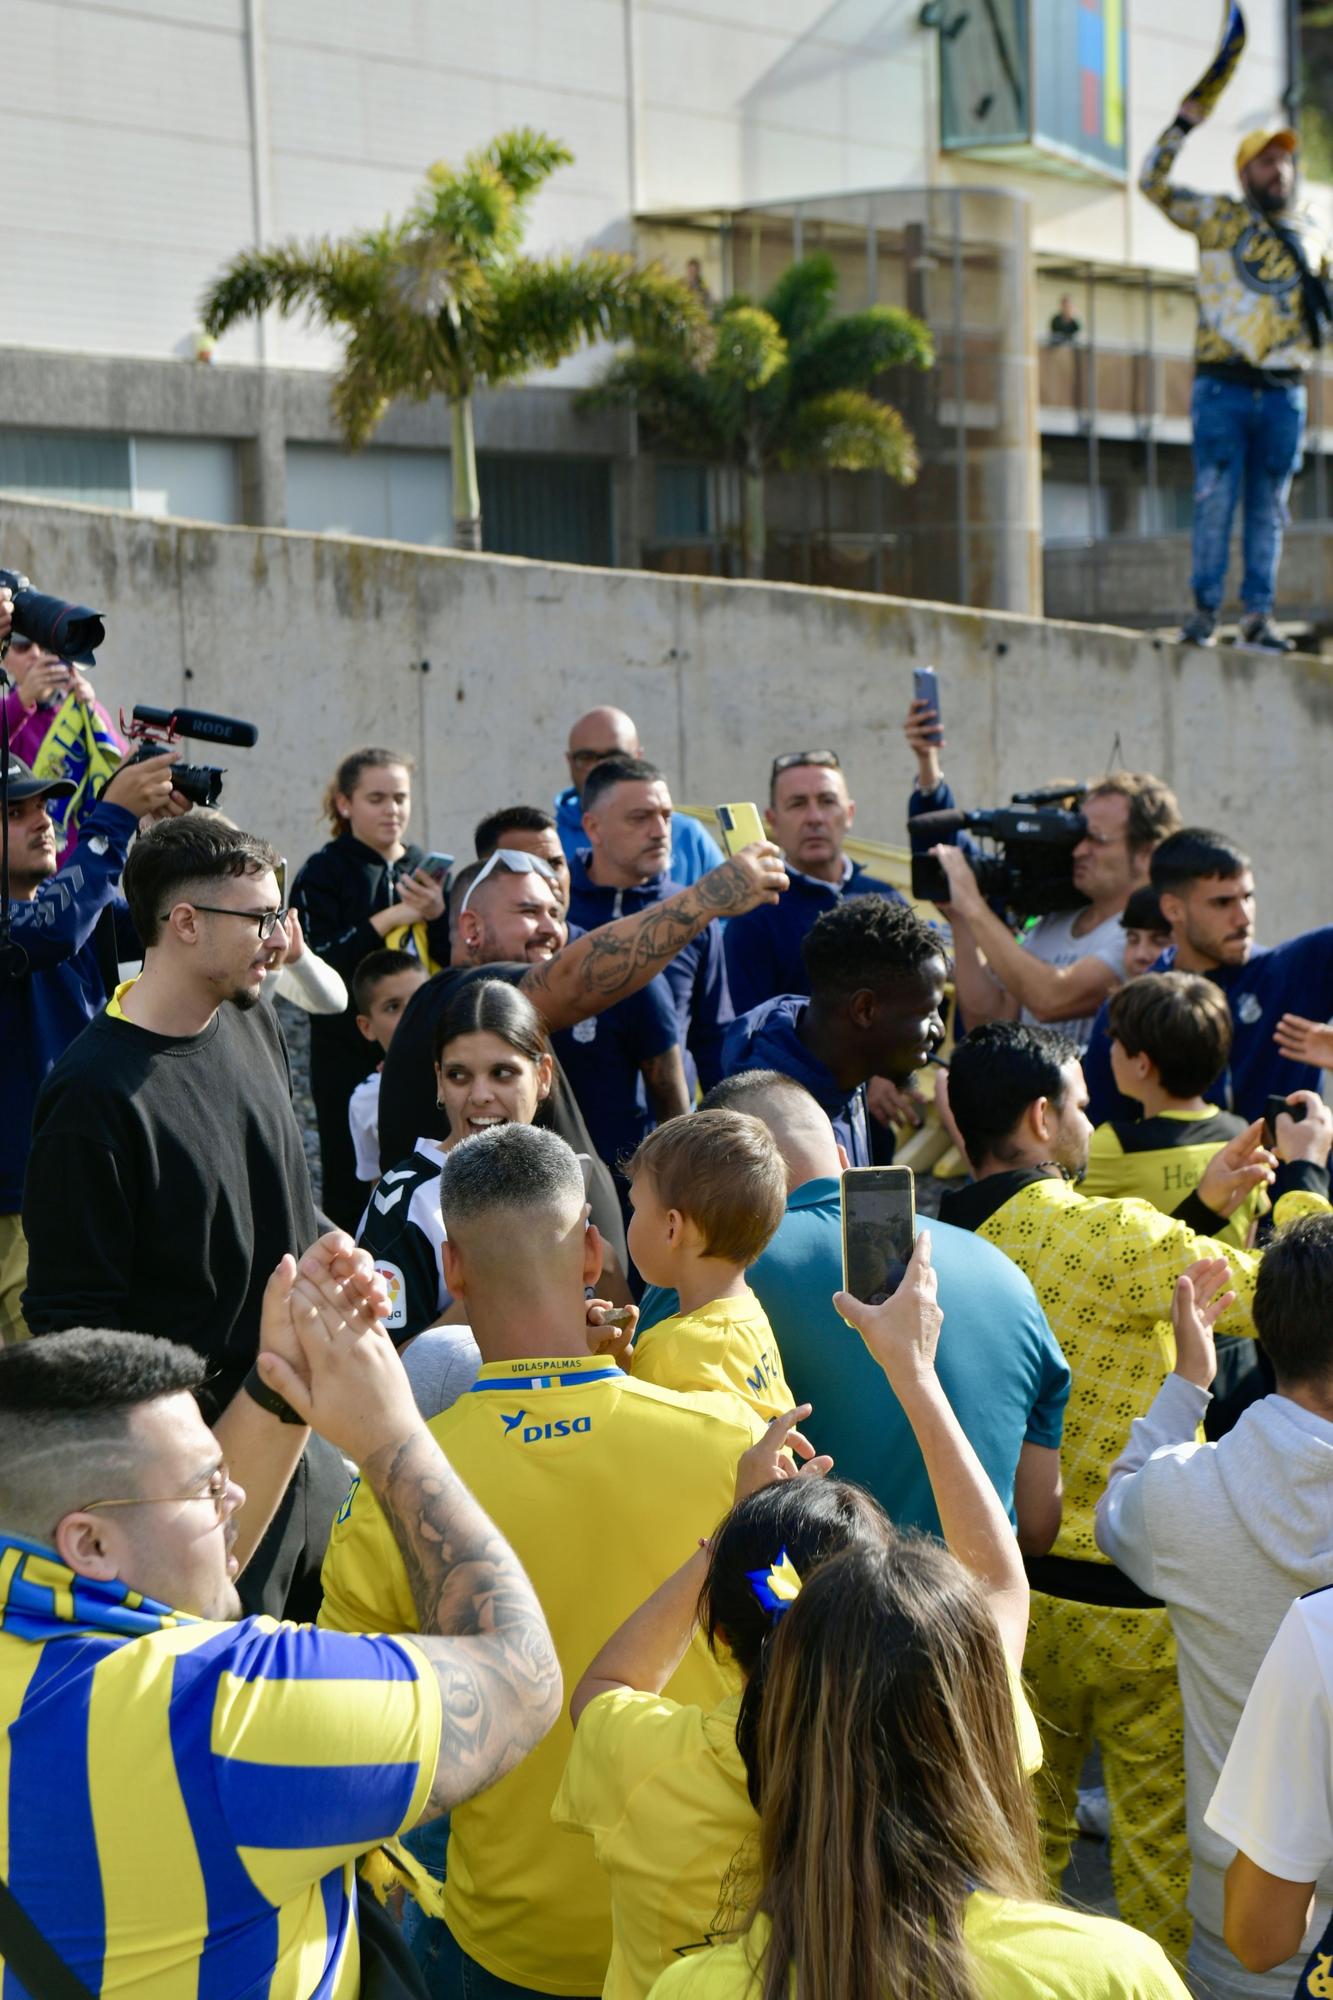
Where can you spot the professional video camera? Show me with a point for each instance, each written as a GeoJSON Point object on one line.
{"type": "Point", "coordinates": [1036, 834]}
{"type": "Point", "coordinates": [159, 729]}
{"type": "Point", "coordinates": [71, 630]}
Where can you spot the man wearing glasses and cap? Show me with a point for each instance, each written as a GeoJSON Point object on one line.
{"type": "Point", "coordinates": [167, 1176]}
{"type": "Point", "coordinates": [63, 962]}
{"type": "Point", "coordinates": [810, 814]}
{"type": "Point", "coordinates": [1263, 311]}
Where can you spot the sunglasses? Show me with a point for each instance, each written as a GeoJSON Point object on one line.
{"type": "Point", "coordinates": [824, 760]}
{"type": "Point", "coordinates": [518, 863]}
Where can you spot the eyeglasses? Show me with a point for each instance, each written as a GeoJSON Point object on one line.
{"type": "Point", "coordinates": [219, 1490]}
{"type": "Point", "coordinates": [518, 863]}
{"type": "Point", "coordinates": [267, 920]}
{"type": "Point", "coordinates": [824, 760]}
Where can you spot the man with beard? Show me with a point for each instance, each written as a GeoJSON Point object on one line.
{"type": "Point", "coordinates": [1205, 886]}
{"type": "Point", "coordinates": [1263, 310]}
{"type": "Point", "coordinates": [167, 1176]}
{"type": "Point", "coordinates": [1100, 1660]}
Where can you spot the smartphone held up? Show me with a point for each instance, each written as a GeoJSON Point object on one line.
{"type": "Point", "coordinates": [738, 827]}
{"type": "Point", "coordinates": [878, 1230]}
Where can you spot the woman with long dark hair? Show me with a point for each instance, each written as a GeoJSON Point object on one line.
{"type": "Point", "coordinates": [664, 1788]}
{"type": "Point", "coordinates": [364, 888]}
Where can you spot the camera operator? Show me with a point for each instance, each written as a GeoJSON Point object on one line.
{"type": "Point", "coordinates": [1063, 968]}
{"type": "Point", "coordinates": [58, 728]}
{"type": "Point", "coordinates": [63, 923]}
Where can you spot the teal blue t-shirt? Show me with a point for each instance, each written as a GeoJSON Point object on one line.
{"type": "Point", "coordinates": [998, 1361]}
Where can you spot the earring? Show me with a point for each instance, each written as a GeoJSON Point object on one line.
{"type": "Point", "coordinates": [439, 1104]}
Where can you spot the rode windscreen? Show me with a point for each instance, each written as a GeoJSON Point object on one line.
{"type": "Point", "coordinates": [200, 724]}
{"type": "Point", "coordinates": [938, 825]}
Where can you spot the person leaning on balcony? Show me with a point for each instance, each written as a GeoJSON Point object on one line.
{"type": "Point", "coordinates": [1263, 310]}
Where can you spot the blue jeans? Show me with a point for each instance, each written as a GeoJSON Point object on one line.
{"type": "Point", "coordinates": [1247, 446]}
{"type": "Point", "coordinates": [452, 1975]}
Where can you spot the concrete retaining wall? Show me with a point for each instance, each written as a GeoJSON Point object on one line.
{"type": "Point", "coordinates": [321, 642]}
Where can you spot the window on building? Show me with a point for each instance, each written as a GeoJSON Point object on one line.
{"type": "Point", "coordinates": [553, 509]}
{"type": "Point", "coordinates": [682, 507]}
{"type": "Point", "coordinates": [193, 478]}
{"type": "Point", "coordinates": [385, 493]}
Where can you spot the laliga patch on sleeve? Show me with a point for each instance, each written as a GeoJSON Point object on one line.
{"type": "Point", "coordinates": [396, 1286]}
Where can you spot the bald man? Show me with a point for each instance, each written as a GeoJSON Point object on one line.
{"type": "Point", "coordinates": [609, 732]}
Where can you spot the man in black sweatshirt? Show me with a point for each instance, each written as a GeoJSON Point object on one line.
{"type": "Point", "coordinates": [167, 1177]}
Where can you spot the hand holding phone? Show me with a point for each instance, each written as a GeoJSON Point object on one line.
{"type": "Point", "coordinates": [740, 826]}
{"type": "Point", "coordinates": [1277, 1107]}
{"type": "Point", "coordinates": [904, 1331]}
{"type": "Point", "coordinates": [437, 866]}
{"type": "Point", "coordinates": [926, 695]}
{"type": "Point", "coordinates": [878, 1220]}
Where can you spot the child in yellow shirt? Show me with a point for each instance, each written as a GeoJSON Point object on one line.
{"type": "Point", "coordinates": [708, 1190]}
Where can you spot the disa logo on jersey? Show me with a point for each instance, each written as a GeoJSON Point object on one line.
{"type": "Point", "coordinates": [534, 1433]}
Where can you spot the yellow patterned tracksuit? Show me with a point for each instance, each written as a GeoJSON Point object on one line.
{"type": "Point", "coordinates": [1104, 1271]}
{"type": "Point", "coordinates": [1249, 298]}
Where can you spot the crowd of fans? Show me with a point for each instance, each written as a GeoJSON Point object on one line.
{"type": "Point", "coordinates": [515, 1566]}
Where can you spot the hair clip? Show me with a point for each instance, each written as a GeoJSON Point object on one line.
{"type": "Point", "coordinates": [777, 1587]}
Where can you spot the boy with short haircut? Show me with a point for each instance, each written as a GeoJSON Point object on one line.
{"type": "Point", "coordinates": [1170, 1041]}
{"type": "Point", "coordinates": [708, 1192]}
{"type": "Point", "coordinates": [382, 985]}
{"type": "Point", "coordinates": [1147, 932]}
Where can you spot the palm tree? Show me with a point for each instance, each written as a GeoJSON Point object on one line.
{"type": "Point", "coordinates": [442, 302]}
{"type": "Point", "coordinates": [783, 383]}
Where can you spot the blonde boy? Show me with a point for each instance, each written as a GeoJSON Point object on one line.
{"type": "Point", "coordinates": [708, 1190]}
{"type": "Point", "coordinates": [382, 985]}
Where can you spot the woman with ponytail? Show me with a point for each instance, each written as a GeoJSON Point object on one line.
{"type": "Point", "coordinates": [365, 888]}
{"type": "Point", "coordinates": [667, 1791]}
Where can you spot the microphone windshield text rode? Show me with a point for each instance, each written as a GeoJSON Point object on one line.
{"type": "Point", "coordinates": [159, 729]}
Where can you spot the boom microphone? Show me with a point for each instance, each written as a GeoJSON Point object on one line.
{"type": "Point", "coordinates": [939, 825]}
{"type": "Point", "coordinates": [199, 723]}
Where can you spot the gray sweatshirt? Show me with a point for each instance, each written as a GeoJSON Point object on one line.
{"type": "Point", "coordinates": [1226, 1535]}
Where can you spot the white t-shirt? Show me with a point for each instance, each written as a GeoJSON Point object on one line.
{"type": "Point", "coordinates": [363, 1115]}
{"type": "Point", "coordinates": [1274, 1799]}
{"type": "Point", "coordinates": [1052, 940]}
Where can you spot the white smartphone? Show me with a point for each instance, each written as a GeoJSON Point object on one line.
{"type": "Point", "coordinates": [878, 1226]}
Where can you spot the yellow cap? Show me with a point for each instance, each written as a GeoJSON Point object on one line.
{"type": "Point", "coordinates": [1258, 142]}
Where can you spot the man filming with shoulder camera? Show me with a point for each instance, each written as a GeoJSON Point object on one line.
{"type": "Point", "coordinates": [1064, 966]}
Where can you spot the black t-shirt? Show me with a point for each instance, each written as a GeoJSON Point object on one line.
{"type": "Point", "coordinates": [166, 1180]}
{"type": "Point", "coordinates": [408, 1110]}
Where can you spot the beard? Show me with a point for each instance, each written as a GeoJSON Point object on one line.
{"type": "Point", "coordinates": [1271, 201]}
{"type": "Point", "coordinates": [246, 997]}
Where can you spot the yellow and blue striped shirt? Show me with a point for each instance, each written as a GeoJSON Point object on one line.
{"type": "Point", "coordinates": [181, 1807]}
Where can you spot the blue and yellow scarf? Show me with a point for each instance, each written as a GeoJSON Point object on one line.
{"type": "Point", "coordinates": [81, 747]}
{"type": "Point", "coordinates": [40, 1598]}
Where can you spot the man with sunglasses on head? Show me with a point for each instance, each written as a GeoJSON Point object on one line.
{"type": "Point", "coordinates": [167, 1175]}
{"type": "Point", "coordinates": [810, 813]}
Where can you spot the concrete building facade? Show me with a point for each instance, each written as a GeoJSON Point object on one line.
{"type": "Point", "coordinates": [922, 144]}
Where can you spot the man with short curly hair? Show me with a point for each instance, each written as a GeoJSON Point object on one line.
{"type": "Point", "coordinates": [876, 976]}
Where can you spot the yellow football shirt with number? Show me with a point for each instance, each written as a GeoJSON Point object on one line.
{"type": "Point", "coordinates": [603, 1486]}
{"type": "Point", "coordinates": [727, 1345]}
{"type": "Point", "coordinates": [1023, 1951]}
{"type": "Point", "coordinates": [661, 1788]}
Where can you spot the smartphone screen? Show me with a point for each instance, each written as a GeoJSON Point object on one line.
{"type": "Point", "coordinates": [878, 1212]}
{"type": "Point", "coordinates": [437, 865]}
{"type": "Point", "coordinates": [740, 826]}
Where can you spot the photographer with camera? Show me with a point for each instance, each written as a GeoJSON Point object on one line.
{"type": "Point", "coordinates": [1065, 965]}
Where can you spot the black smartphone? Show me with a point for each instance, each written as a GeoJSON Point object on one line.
{"type": "Point", "coordinates": [926, 687]}
{"type": "Point", "coordinates": [1274, 1109]}
{"type": "Point", "coordinates": [878, 1225]}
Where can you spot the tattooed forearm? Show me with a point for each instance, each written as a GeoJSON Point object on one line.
{"type": "Point", "coordinates": [610, 963]}
{"type": "Point", "coordinates": [481, 1625]}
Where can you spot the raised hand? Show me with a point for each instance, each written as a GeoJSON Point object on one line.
{"type": "Point", "coordinates": [1236, 1169]}
{"type": "Point", "coordinates": [904, 1331]}
{"type": "Point", "coordinates": [1199, 1300]}
{"type": "Point", "coordinates": [1305, 1041]}
{"type": "Point", "coordinates": [758, 874]}
{"type": "Point", "coordinates": [771, 1458]}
